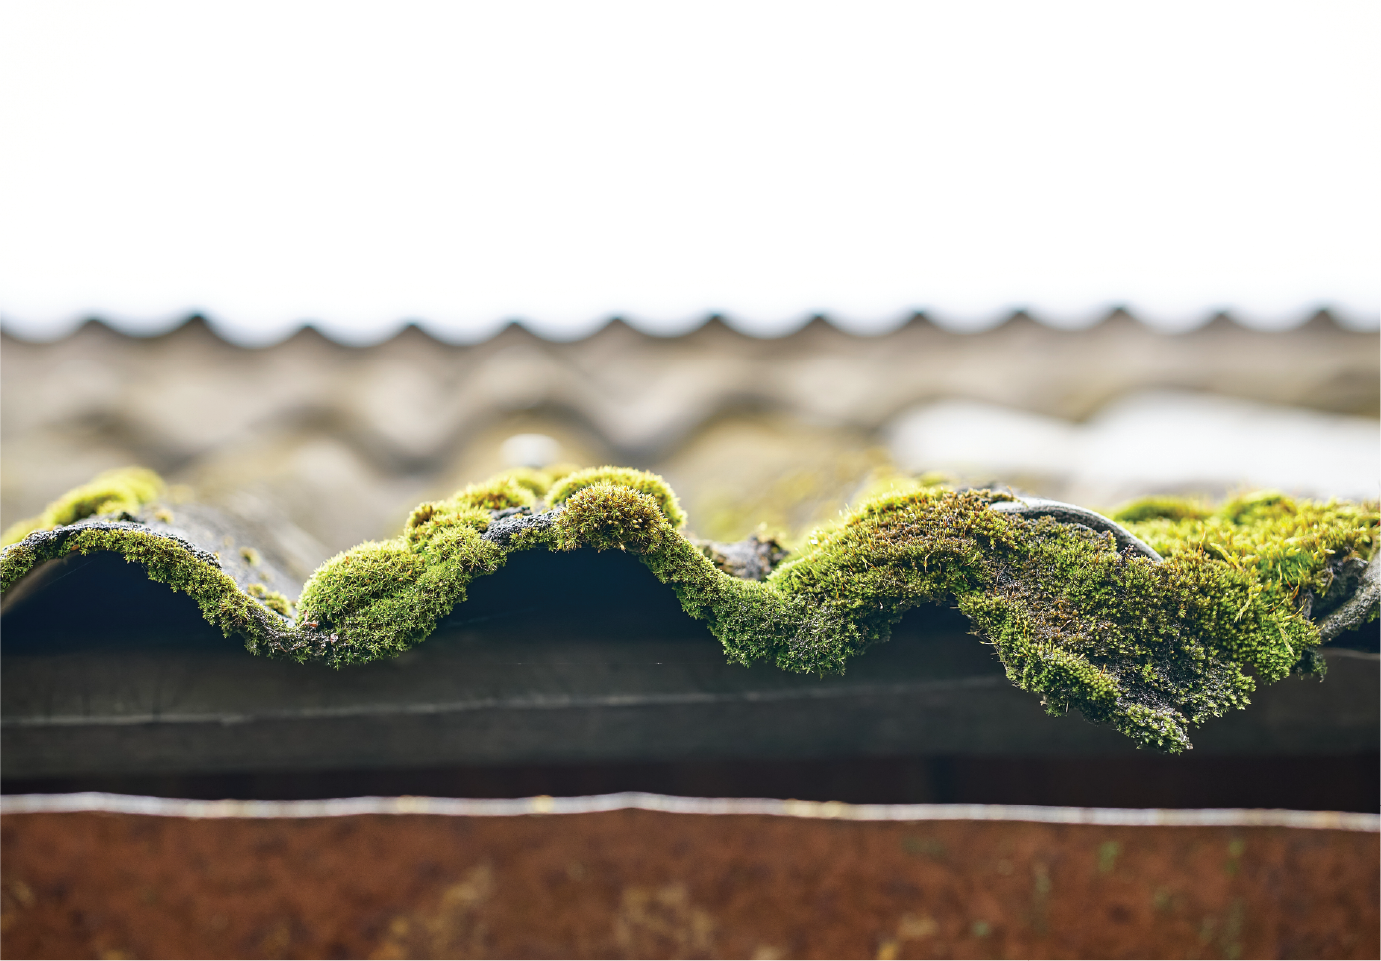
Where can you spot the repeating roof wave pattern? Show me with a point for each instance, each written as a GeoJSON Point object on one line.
{"type": "Point", "coordinates": [1080, 610]}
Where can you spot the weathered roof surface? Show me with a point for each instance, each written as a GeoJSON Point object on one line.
{"type": "Point", "coordinates": [596, 664]}
{"type": "Point", "coordinates": [1073, 607]}
{"type": "Point", "coordinates": [340, 441]}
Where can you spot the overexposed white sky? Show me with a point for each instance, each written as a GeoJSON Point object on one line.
{"type": "Point", "coordinates": [361, 165]}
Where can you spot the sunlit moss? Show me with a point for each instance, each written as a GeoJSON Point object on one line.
{"type": "Point", "coordinates": [273, 600]}
{"type": "Point", "coordinates": [496, 494]}
{"type": "Point", "coordinates": [1284, 546]}
{"type": "Point", "coordinates": [612, 515]}
{"type": "Point", "coordinates": [384, 596]}
{"type": "Point", "coordinates": [123, 490]}
{"type": "Point", "coordinates": [166, 560]}
{"type": "Point", "coordinates": [639, 480]}
{"type": "Point", "coordinates": [537, 479]}
{"type": "Point", "coordinates": [1149, 648]}
{"type": "Point", "coordinates": [1161, 508]}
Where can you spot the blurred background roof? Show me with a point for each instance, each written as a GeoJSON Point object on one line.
{"type": "Point", "coordinates": [327, 444]}
{"type": "Point", "coordinates": [1089, 250]}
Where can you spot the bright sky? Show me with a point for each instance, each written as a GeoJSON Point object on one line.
{"type": "Point", "coordinates": [462, 165]}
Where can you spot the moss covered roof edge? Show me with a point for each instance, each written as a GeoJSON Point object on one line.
{"type": "Point", "coordinates": [1152, 621]}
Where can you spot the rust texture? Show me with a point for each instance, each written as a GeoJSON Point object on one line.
{"type": "Point", "coordinates": [640, 884]}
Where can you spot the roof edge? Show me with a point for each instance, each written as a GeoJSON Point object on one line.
{"type": "Point", "coordinates": [1320, 321]}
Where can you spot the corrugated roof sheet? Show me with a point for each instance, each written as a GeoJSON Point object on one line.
{"type": "Point", "coordinates": [341, 440]}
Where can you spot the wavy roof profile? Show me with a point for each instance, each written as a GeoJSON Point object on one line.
{"type": "Point", "coordinates": [1151, 623]}
{"type": "Point", "coordinates": [342, 439]}
{"type": "Point", "coordinates": [643, 393]}
{"type": "Point", "coordinates": [709, 322]}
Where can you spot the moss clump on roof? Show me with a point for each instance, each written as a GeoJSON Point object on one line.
{"type": "Point", "coordinates": [1150, 648]}
{"type": "Point", "coordinates": [385, 596]}
{"type": "Point", "coordinates": [275, 601]}
{"type": "Point", "coordinates": [1161, 508]}
{"type": "Point", "coordinates": [639, 480]}
{"type": "Point", "coordinates": [120, 491]}
{"type": "Point", "coordinates": [102, 515]}
{"type": "Point", "coordinates": [166, 560]}
{"type": "Point", "coordinates": [1288, 548]}
{"type": "Point", "coordinates": [537, 479]}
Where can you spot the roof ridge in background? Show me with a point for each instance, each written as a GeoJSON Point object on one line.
{"type": "Point", "coordinates": [1320, 321]}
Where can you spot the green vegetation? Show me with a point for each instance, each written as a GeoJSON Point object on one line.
{"type": "Point", "coordinates": [1285, 547]}
{"type": "Point", "coordinates": [273, 600]}
{"type": "Point", "coordinates": [1148, 648]}
{"type": "Point", "coordinates": [121, 495]}
{"type": "Point", "coordinates": [120, 491]}
{"type": "Point", "coordinates": [166, 560]}
{"type": "Point", "coordinates": [636, 480]}
{"type": "Point", "coordinates": [537, 479]}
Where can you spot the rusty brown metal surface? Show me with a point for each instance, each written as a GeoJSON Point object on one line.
{"type": "Point", "coordinates": [642, 884]}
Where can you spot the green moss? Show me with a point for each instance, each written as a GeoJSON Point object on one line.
{"type": "Point", "coordinates": [497, 494]}
{"type": "Point", "coordinates": [273, 600]}
{"type": "Point", "coordinates": [1283, 547]}
{"type": "Point", "coordinates": [538, 479]}
{"type": "Point", "coordinates": [1157, 508]}
{"type": "Point", "coordinates": [259, 616]}
{"type": "Point", "coordinates": [123, 490]}
{"type": "Point", "coordinates": [1149, 648]}
{"type": "Point", "coordinates": [639, 480]}
{"type": "Point", "coordinates": [384, 596]}
{"type": "Point", "coordinates": [1126, 641]}
{"type": "Point", "coordinates": [166, 560]}
{"type": "Point", "coordinates": [611, 515]}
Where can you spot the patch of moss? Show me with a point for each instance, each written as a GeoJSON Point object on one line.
{"type": "Point", "coordinates": [1284, 548]}
{"type": "Point", "coordinates": [1150, 648]}
{"type": "Point", "coordinates": [120, 491]}
{"type": "Point", "coordinates": [273, 600]}
{"type": "Point", "coordinates": [639, 480]}
{"type": "Point", "coordinates": [538, 479]}
{"type": "Point", "coordinates": [383, 596]}
{"type": "Point", "coordinates": [1126, 641]}
{"type": "Point", "coordinates": [166, 559]}
{"type": "Point", "coordinates": [496, 494]}
{"type": "Point", "coordinates": [1161, 508]}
